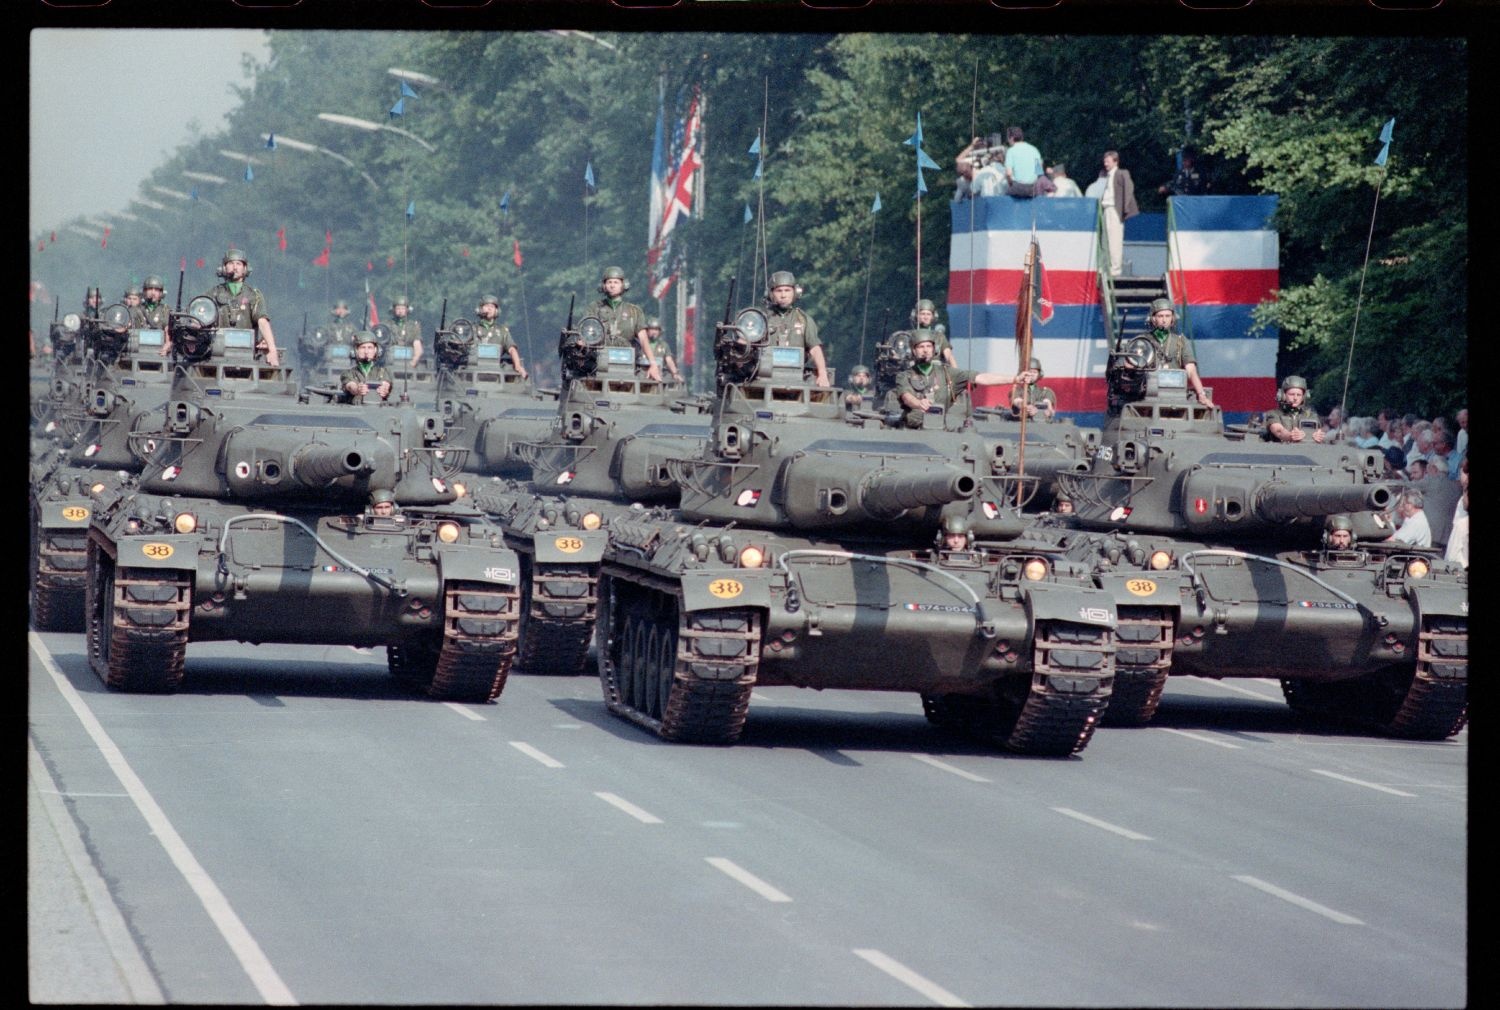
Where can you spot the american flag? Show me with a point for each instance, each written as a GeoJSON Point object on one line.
{"type": "Point", "coordinates": [675, 180]}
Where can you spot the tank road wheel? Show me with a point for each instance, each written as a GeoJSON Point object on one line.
{"type": "Point", "coordinates": [55, 608]}
{"type": "Point", "coordinates": [480, 627]}
{"type": "Point", "coordinates": [1428, 700]}
{"type": "Point", "coordinates": [686, 677]}
{"type": "Point", "coordinates": [1073, 669]}
{"type": "Point", "coordinates": [137, 624]}
{"type": "Point", "coordinates": [559, 606]}
{"type": "Point", "coordinates": [1143, 658]}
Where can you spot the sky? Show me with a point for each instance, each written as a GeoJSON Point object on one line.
{"type": "Point", "coordinates": [110, 105]}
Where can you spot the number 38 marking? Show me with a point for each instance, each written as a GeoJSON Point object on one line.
{"type": "Point", "coordinates": [725, 589]}
{"type": "Point", "coordinates": [158, 551]}
{"type": "Point", "coordinates": [569, 545]}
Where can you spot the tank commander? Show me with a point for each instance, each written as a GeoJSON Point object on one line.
{"type": "Point", "coordinates": [1173, 349]}
{"type": "Point", "coordinates": [929, 383]}
{"type": "Point", "coordinates": [1340, 533]}
{"type": "Point", "coordinates": [154, 308]}
{"type": "Point", "coordinates": [954, 534]}
{"type": "Point", "coordinates": [488, 331]}
{"type": "Point", "coordinates": [1284, 424]}
{"type": "Point", "coordinates": [406, 329]}
{"type": "Point", "coordinates": [924, 317]}
{"type": "Point", "coordinates": [364, 376]}
{"type": "Point", "coordinates": [1033, 399]}
{"type": "Point", "coordinates": [789, 326]}
{"type": "Point", "coordinates": [624, 322]}
{"type": "Point", "coordinates": [242, 306]}
{"type": "Point", "coordinates": [382, 503]}
{"type": "Point", "coordinates": [133, 304]}
{"type": "Point", "coordinates": [861, 385]}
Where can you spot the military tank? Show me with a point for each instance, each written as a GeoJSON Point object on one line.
{"type": "Point", "coordinates": [799, 554]}
{"type": "Point", "coordinates": [1211, 546]}
{"type": "Point", "coordinates": [254, 521]}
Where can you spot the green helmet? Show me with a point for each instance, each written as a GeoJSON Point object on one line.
{"type": "Point", "coordinates": [859, 370]}
{"type": "Point", "coordinates": [380, 495]}
{"type": "Point", "coordinates": [93, 293]}
{"type": "Point", "coordinates": [1293, 382]}
{"type": "Point", "coordinates": [154, 282]}
{"type": "Point", "coordinates": [341, 304]}
{"type": "Point", "coordinates": [653, 323]}
{"type": "Point", "coordinates": [401, 300]}
{"type": "Point", "coordinates": [490, 300]}
{"type": "Point", "coordinates": [133, 289]}
{"type": "Point", "coordinates": [955, 524]}
{"type": "Point", "coordinates": [365, 337]}
{"type": "Point", "coordinates": [782, 279]}
{"type": "Point", "coordinates": [235, 254]}
{"type": "Point", "coordinates": [922, 336]}
{"type": "Point", "coordinates": [613, 274]}
{"type": "Point", "coordinates": [925, 303]}
{"type": "Point", "coordinates": [1036, 366]}
{"type": "Point", "coordinates": [1159, 304]}
{"type": "Point", "coordinates": [1339, 522]}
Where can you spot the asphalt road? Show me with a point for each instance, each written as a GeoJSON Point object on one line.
{"type": "Point", "coordinates": [294, 827]}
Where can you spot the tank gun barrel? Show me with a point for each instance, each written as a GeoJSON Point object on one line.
{"type": "Point", "coordinates": [1285, 502]}
{"type": "Point", "coordinates": [315, 464]}
{"type": "Point", "coordinates": [826, 492]}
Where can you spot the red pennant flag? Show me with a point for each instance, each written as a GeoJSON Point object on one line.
{"type": "Point", "coordinates": [41, 247]}
{"type": "Point", "coordinates": [53, 238]}
{"type": "Point", "coordinates": [328, 238]}
{"type": "Point", "coordinates": [104, 242]}
{"type": "Point", "coordinates": [374, 312]}
{"type": "Point", "coordinates": [465, 253]}
{"type": "Point", "coordinates": [183, 264]}
{"type": "Point", "coordinates": [321, 260]}
{"type": "Point", "coordinates": [390, 261]}
{"type": "Point", "coordinates": [106, 231]}
{"type": "Point", "coordinates": [369, 265]}
{"type": "Point", "coordinates": [198, 263]}
{"type": "Point", "coordinates": [517, 254]}
{"type": "Point", "coordinates": [281, 238]}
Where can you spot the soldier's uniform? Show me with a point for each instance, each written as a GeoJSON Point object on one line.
{"type": "Point", "coordinates": [940, 384]}
{"type": "Point", "coordinates": [660, 351]}
{"type": "Point", "coordinates": [1290, 418]}
{"type": "Point", "coordinates": [1038, 395]}
{"type": "Point", "coordinates": [154, 315]}
{"type": "Point", "coordinates": [791, 327]}
{"type": "Point", "coordinates": [490, 332]}
{"type": "Point", "coordinates": [341, 331]}
{"type": "Point", "coordinates": [372, 377]}
{"type": "Point", "coordinates": [404, 331]}
{"type": "Point", "coordinates": [242, 309]}
{"type": "Point", "coordinates": [622, 321]}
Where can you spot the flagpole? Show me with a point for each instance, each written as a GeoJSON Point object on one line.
{"type": "Point", "coordinates": [869, 272]}
{"type": "Point", "coordinates": [1359, 297]}
{"type": "Point", "coordinates": [1023, 351]}
{"type": "Point", "coordinates": [973, 132]}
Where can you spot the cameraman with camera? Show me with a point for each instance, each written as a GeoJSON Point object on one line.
{"type": "Point", "coordinates": [981, 168]}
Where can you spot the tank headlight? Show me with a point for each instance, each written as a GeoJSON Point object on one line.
{"type": "Point", "coordinates": [591, 520]}
{"type": "Point", "coordinates": [459, 489]}
{"type": "Point", "coordinates": [1160, 561]}
{"type": "Point", "coordinates": [132, 526]}
{"type": "Point", "coordinates": [752, 557]}
{"type": "Point", "coordinates": [448, 532]}
{"type": "Point", "coordinates": [96, 489]}
{"type": "Point", "coordinates": [1035, 569]}
{"type": "Point", "coordinates": [1416, 568]}
{"type": "Point", "coordinates": [185, 522]}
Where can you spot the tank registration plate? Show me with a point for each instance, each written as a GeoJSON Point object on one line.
{"type": "Point", "coordinates": [569, 545]}
{"type": "Point", "coordinates": [725, 589]}
{"type": "Point", "coordinates": [75, 513]}
{"type": "Point", "coordinates": [1141, 587]}
{"type": "Point", "coordinates": [157, 550]}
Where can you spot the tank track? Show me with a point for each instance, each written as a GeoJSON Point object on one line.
{"type": "Point", "coordinates": [553, 644]}
{"type": "Point", "coordinates": [138, 622]}
{"type": "Point", "coordinates": [686, 677]}
{"type": "Point", "coordinates": [1426, 701]}
{"type": "Point", "coordinates": [1143, 659]}
{"type": "Point", "coordinates": [57, 580]}
{"type": "Point", "coordinates": [480, 631]}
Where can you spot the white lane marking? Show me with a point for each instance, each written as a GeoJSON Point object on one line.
{"type": "Point", "coordinates": [1200, 738]}
{"type": "Point", "coordinates": [128, 961]}
{"type": "Point", "coordinates": [252, 959]}
{"type": "Point", "coordinates": [901, 973]}
{"type": "Point", "coordinates": [76, 795]}
{"type": "Point", "coordinates": [1225, 685]}
{"type": "Point", "coordinates": [629, 808]}
{"type": "Point", "coordinates": [945, 766]}
{"type": "Point", "coordinates": [1299, 901]}
{"type": "Point", "coordinates": [464, 711]}
{"type": "Point", "coordinates": [1134, 836]}
{"type": "Point", "coordinates": [536, 755]}
{"type": "Point", "coordinates": [747, 878]}
{"type": "Point", "coordinates": [1362, 782]}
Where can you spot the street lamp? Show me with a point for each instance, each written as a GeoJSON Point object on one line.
{"type": "Point", "coordinates": [414, 77]}
{"type": "Point", "coordinates": [369, 127]}
{"type": "Point", "coordinates": [205, 177]}
{"type": "Point", "coordinates": [302, 145]}
{"type": "Point", "coordinates": [149, 204]}
{"type": "Point", "coordinates": [174, 193]}
{"type": "Point", "coordinates": [237, 156]}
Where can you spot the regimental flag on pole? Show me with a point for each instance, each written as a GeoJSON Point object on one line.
{"type": "Point", "coordinates": [1033, 302]}
{"type": "Point", "coordinates": [673, 191]}
{"type": "Point", "coordinates": [690, 327]}
{"type": "Point", "coordinates": [374, 312]}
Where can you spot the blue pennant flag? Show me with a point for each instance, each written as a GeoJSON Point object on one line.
{"type": "Point", "coordinates": [1385, 141]}
{"type": "Point", "coordinates": [406, 91]}
{"type": "Point", "coordinates": [755, 147]}
{"type": "Point", "coordinates": [411, 210]}
{"type": "Point", "coordinates": [875, 207]}
{"type": "Point", "coordinates": [588, 175]}
{"type": "Point", "coordinates": [399, 108]}
{"type": "Point", "coordinates": [249, 175]}
{"type": "Point", "coordinates": [758, 166]}
{"type": "Point", "coordinates": [748, 215]}
{"type": "Point", "coordinates": [505, 205]}
{"type": "Point", "coordinates": [270, 141]}
{"type": "Point", "coordinates": [923, 161]}
{"type": "Point", "coordinates": [194, 193]}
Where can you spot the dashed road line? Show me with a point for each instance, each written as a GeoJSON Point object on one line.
{"type": "Point", "coordinates": [1201, 738]}
{"type": "Point", "coordinates": [1362, 782]}
{"type": "Point", "coordinates": [747, 878]}
{"type": "Point", "coordinates": [901, 973]}
{"type": "Point", "coordinates": [629, 808]}
{"type": "Point", "coordinates": [1299, 901]}
{"type": "Point", "coordinates": [1134, 836]}
{"type": "Point", "coordinates": [465, 711]}
{"type": "Point", "coordinates": [951, 769]}
{"type": "Point", "coordinates": [536, 755]}
{"type": "Point", "coordinates": [1235, 688]}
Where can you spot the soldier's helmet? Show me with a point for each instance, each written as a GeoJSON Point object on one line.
{"type": "Point", "coordinates": [382, 495]}
{"type": "Point", "coordinates": [653, 323]}
{"type": "Point", "coordinates": [859, 370]}
{"type": "Point", "coordinates": [1036, 366]}
{"type": "Point", "coordinates": [236, 254]}
{"type": "Point", "coordinates": [782, 279]}
{"type": "Point", "coordinates": [1294, 382]}
{"type": "Point", "coordinates": [1159, 304]}
{"type": "Point", "coordinates": [401, 300]}
{"type": "Point", "coordinates": [366, 337]}
{"type": "Point", "coordinates": [614, 274]}
{"type": "Point", "coordinates": [924, 303]}
{"type": "Point", "coordinates": [341, 304]}
{"type": "Point", "coordinates": [93, 293]}
{"type": "Point", "coordinates": [133, 289]}
{"type": "Point", "coordinates": [490, 300]}
{"type": "Point", "coordinates": [1339, 522]}
{"type": "Point", "coordinates": [154, 282]}
{"type": "Point", "coordinates": [919, 337]}
{"type": "Point", "coordinates": [954, 525]}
